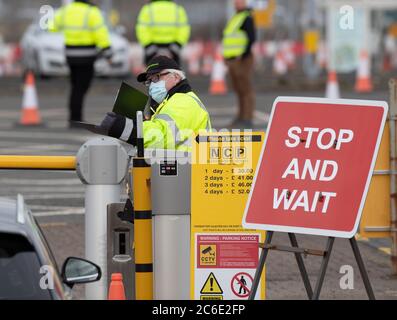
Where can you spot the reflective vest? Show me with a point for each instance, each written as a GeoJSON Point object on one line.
{"type": "Point", "coordinates": [235, 40]}
{"type": "Point", "coordinates": [175, 122]}
{"type": "Point", "coordinates": [162, 22]}
{"type": "Point", "coordinates": [84, 29]}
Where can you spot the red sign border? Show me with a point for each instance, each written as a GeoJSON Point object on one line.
{"type": "Point", "coordinates": [316, 231]}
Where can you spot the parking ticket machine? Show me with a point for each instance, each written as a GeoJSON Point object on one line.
{"type": "Point", "coordinates": [170, 187]}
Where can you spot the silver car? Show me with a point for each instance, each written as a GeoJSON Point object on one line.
{"type": "Point", "coordinates": [43, 52]}
{"type": "Point", "coordinates": [28, 270]}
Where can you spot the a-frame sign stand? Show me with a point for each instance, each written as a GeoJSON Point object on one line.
{"type": "Point", "coordinates": [326, 254]}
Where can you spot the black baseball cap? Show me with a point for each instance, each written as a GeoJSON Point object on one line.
{"type": "Point", "coordinates": [156, 65]}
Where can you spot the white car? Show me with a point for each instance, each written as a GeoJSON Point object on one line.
{"type": "Point", "coordinates": [43, 52]}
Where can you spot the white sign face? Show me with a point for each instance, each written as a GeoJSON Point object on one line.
{"type": "Point", "coordinates": [345, 37]}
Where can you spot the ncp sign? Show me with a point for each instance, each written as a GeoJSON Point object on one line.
{"type": "Point", "coordinates": [315, 166]}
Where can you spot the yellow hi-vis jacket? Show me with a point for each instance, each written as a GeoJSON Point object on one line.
{"type": "Point", "coordinates": [235, 40]}
{"type": "Point", "coordinates": [175, 121]}
{"type": "Point", "coordinates": [162, 22]}
{"type": "Point", "coordinates": [84, 30]}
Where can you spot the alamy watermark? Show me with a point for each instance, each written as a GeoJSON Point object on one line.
{"type": "Point", "coordinates": [47, 15]}
{"type": "Point", "coordinates": [346, 282]}
{"type": "Point", "coordinates": [47, 278]}
{"type": "Point", "coordinates": [346, 17]}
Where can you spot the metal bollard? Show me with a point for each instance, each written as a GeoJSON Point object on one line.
{"type": "Point", "coordinates": [101, 166]}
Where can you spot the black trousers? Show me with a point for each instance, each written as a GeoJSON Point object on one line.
{"type": "Point", "coordinates": [81, 76]}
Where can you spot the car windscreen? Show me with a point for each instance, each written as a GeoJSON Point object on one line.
{"type": "Point", "coordinates": [19, 270]}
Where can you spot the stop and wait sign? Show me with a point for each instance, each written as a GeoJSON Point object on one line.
{"type": "Point", "coordinates": [315, 166]}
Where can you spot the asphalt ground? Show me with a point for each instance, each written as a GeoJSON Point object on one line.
{"type": "Point", "coordinates": [57, 198]}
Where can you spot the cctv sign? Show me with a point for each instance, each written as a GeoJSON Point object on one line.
{"type": "Point", "coordinates": [315, 166]}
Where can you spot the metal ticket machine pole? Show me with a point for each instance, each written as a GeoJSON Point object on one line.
{"type": "Point", "coordinates": [161, 181]}
{"type": "Point", "coordinates": [171, 184]}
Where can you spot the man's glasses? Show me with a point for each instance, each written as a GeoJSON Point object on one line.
{"type": "Point", "coordinates": [156, 78]}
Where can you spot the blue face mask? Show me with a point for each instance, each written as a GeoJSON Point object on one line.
{"type": "Point", "coordinates": [158, 91]}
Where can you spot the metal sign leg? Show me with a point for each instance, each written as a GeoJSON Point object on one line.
{"type": "Point", "coordinates": [323, 269]}
{"type": "Point", "coordinates": [301, 266]}
{"type": "Point", "coordinates": [363, 271]}
{"type": "Point", "coordinates": [259, 269]}
{"type": "Point", "coordinates": [326, 254]}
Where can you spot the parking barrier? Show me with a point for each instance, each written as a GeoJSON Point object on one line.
{"type": "Point", "coordinates": [15, 162]}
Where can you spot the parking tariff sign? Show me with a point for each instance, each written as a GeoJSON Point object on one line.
{"type": "Point", "coordinates": [315, 166]}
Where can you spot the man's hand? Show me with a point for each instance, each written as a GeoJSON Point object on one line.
{"type": "Point", "coordinates": [119, 127]}
{"type": "Point", "coordinates": [109, 121]}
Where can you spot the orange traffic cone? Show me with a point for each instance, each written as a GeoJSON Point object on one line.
{"type": "Point", "coordinates": [218, 84]}
{"type": "Point", "coordinates": [363, 81]}
{"type": "Point", "coordinates": [193, 53]}
{"type": "Point", "coordinates": [332, 90]}
{"type": "Point", "coordinates": [280, 66]}
{"type": "Point", "coordinates": [288, 53]}
{"type": "Point", "coordinates": [116, 288]}
{"type": "Point", "coordinates": [136, 57]}
{"type": "Point", "coordinates": [321, 56]}
{"type": "Point", "coordinates": [386, 65]}
{"type": "Point", "coordinates": [30, 111]}
{"type": "Point", "coordinates": [208, 59]}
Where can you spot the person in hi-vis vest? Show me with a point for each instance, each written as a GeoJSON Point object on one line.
{"type": "Point", "coordinates": [178, 118]}
{"type": "Point", "coordinates": [238, 38]}
{"type": "Point", "coordinates": [86, 38]}
{"type": "Point", "coordinates": [162, 28]}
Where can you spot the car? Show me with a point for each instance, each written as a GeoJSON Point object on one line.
{"type": "Point", "coordinates": [28, 270]}
{"type": "Point", "coordinates": [43, 52]}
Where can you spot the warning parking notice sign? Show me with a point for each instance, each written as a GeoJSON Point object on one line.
{"type": "Point", "coordinates": [221, 248]}
{"type": "Point", "coordinates": [232, 267]}
{"type": "Point", "coordinates": [227, 250]}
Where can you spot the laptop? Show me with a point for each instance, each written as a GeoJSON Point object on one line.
{"type": "Point", "coordinates": [127, 103]}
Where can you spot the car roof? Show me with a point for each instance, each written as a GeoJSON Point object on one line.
{"type": "Point", "coordinates": [16, 218]}
{"type": "Point", "coordinates": [8, 209]}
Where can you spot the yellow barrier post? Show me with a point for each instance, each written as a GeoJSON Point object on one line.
{"type": "Point", "coordinates": [12, 162]}
{"type": "Point", "coordinates": [141, 172]}
{"type": "Point", "coordinates": [375, 220]}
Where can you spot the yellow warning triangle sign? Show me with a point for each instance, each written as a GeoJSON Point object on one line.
{"type": "Point", "coordinates": [211, 286]}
